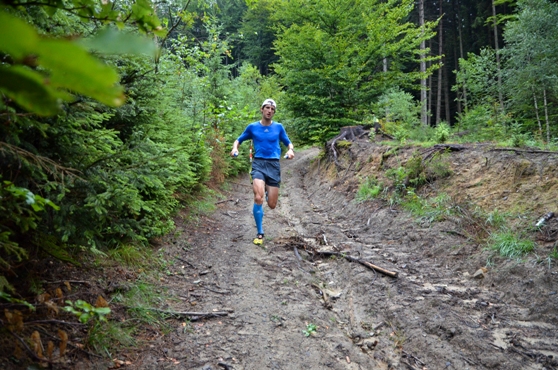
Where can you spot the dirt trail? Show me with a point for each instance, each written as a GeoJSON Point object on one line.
{"type": "Point", "coordinates": [434, 315]}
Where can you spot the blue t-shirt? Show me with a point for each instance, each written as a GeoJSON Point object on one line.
{"type": "Point", "coordinates": [266, 139]}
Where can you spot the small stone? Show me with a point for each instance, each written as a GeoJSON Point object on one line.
{"type": "Point", "coordinates": [480, 273]}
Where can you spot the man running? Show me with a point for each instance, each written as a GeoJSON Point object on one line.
{"type": "Point", "coordinates": [266, 171]}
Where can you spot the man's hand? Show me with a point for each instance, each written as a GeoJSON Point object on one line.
{"type": "Point", "coordinates": [234, 152]}
{"type": "Point", "coordinates": [290, 154]}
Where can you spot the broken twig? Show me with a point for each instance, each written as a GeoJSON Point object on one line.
{"type": "Point", "coordinates": [362, 262]}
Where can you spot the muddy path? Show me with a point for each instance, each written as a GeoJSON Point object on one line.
{"type": "Point", "coordinates": [266, 300]}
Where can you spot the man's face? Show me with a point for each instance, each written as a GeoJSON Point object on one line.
{"type": "Point", "coordinates": [268, 111]}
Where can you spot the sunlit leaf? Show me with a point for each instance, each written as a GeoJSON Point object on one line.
{"type": "Point", "coordinates": [27, 88]}
{"type": "Point", "coordinates": [111, 41]}
{"type": "Point", "coordinates": [17, 38]}
{"type": "Point", "coordinates": [73, 68]}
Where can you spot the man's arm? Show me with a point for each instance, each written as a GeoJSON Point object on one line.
{"type": "Point", "coordinates": [290, 152]}
{"type": "Point", "coordinates": [234, 151]}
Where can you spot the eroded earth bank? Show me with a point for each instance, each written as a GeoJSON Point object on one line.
{"type": "Point", "coordinates": [268, 303]}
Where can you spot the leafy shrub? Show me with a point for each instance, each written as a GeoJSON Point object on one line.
{"type": "Point", "coordinates": [518, 137]}
{"type": "Point", "coordinates": [19, 213]}
{"type": "Point", "coordinates": [438, 167]}
{"type": "Point", "coordinates": [442, 132]}
{"type": "Point", "coordinates": [369, 189]}
{"type": "Point", "coordinates": [397, 105]}
{"type": "Point", "coordinates": [430, 209]}
{"type": "Point", "coordinates": [510, 245]}
{"type": "Point", "coordinates": [416, 171]}
{"type": "Point", "coordinates": [398, 176]}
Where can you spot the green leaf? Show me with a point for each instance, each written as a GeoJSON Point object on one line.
{"type": "Point", "coordinates": [102, 310]}
{"type": "Point", "coordinates": [27, 88]}
{"type": "Point", "coordinates": [16, 37]}
{"type": "Point", "coordinates": [111, 41]}
{"type": "Point", "coordinates": [75, 69]}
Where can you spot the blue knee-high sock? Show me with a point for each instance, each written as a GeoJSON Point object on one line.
{"type": "Point", "coordinates": [258, 217]}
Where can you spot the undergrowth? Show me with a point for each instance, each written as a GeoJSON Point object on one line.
{"type": "Point", "coordinates": [509, 244]}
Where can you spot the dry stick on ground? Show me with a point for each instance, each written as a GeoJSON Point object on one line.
{"type": "Point", "coordinates": [215, 291]}
{"type": "Point", "coordinates": [193, 316]}
{"type": "Point", "coordinates": [327, 303]}
{"type": "Point", "coordinates": [186, 262]}
{"type": "Point", "coordinates": [25, 346]}
{"type": "Point", "coordinates": [521, 151]}
{"type": "Point", "coordinates": [362, 262]}
{"type": "Point", "coordinates": [226, 200]}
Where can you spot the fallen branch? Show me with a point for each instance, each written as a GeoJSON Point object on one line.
{"type": "Point", "coordinates": [362, 262]}
{"type": "Point", "coordinates": [521, 150]}
{"type": "Point", "coordinates": [22, 342]}
{"type": "Point", "coordinates": [215, 291]}
{"type": "Point", "coordinates": [192, 316]}
{"type": "Point", "coordinates": [227, 200]}
{"type": "Point", "coordinates": [327, 303]}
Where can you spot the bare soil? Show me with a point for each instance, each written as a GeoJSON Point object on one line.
{"type": "Point", "coordinates": [261, 302]}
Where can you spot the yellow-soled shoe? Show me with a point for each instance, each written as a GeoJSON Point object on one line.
{"type": "Point", "coordinates": [259, 239]}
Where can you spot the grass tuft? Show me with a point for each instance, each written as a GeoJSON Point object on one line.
{"type": "Point", "coordinates": [509, 245]}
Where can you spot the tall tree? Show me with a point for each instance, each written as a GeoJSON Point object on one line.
{"type": "Point", "coordinates": [423, 91]}
{"type": "Point", "coordinates": [441, 55]}
{"type": "Point", "coordinates": [332, 58]}
{"type": "Point", "coordinates": [531, 53]}
{"type": "Point", "coordinates": [497, 48]}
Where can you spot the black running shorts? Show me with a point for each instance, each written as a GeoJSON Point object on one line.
{"type": "Point", "coordinates": [268, 170]}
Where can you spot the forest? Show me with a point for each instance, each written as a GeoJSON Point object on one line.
{"type": "Point", "coordinates": [117, 114]}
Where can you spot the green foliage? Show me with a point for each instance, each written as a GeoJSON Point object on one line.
{"type": "Point", "coordinates": [310, 329]}
{"type": "Point", "coordinates": [518, 137]}
{"type": "Point", "coordinates": [398, 176]}
{"type": "Point", "coordinates": [531, 62]}
{"type": "Point", "coordinates": [132, 255]}
{"type": "Point", "coordinates": [19, 213]}
{"type": "Point", "coordinates": [478, 74]}
{"type": "Point", "coordinates": [369, 189]}
{"type": "Point", "coordinates": [65, 67]}
{"type": "Point", "coordinates": [429, 210]}
{"type": "Point", "coordinates": [496, 219]}
{"type": "Point", "coordinates": [442, 132]}
{"type": "Point", "coordinates": [438, 167]}
{"type": "Point", "coordinates": [105, 336]}
{"type": "Point", "coordinates": [8, 298]}
{"type": "Point", "coordinates": [416, 171]}
{"type": "Point", "coordinates": [85, 311]}
{"type": "Point", "coordinates": [398, 106]}
{"type": "Point", "coordinates": [484, 122]}
{"type": "Point", "coordinates": [509, 244]}
{"type": "Point", "coordinates": [330, 54]}
{"type": "Point", "coordinates": [140, 300]}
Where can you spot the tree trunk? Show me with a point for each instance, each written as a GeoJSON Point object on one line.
{"type": "Point", "coordinates": [385, 71]}
{"type": "Point", "coordinates": [497, 49]}
{"type": "Point", "coordinates": [440, 52]}
{"type": "Point", "coordinates": [537, 114]}
{"type": "Point", "coordinates": [546, 117]}
{"type": "Point", "coordinates": [459, 26]}
{"type": "Point", "coordinates": [430, 100]}
{"type": "Point", "coordinates": [423, 102]}
{"type": "Point", "coordinates": [446, 94]}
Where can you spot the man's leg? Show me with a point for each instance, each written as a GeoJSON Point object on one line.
{"type": "Point", "coordinates": [272, 196]}
{"type": "Point", "coordinates": [259, 189]}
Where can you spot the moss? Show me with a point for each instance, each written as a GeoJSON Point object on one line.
{"type": "Point", "coordinates": [343, 144]}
